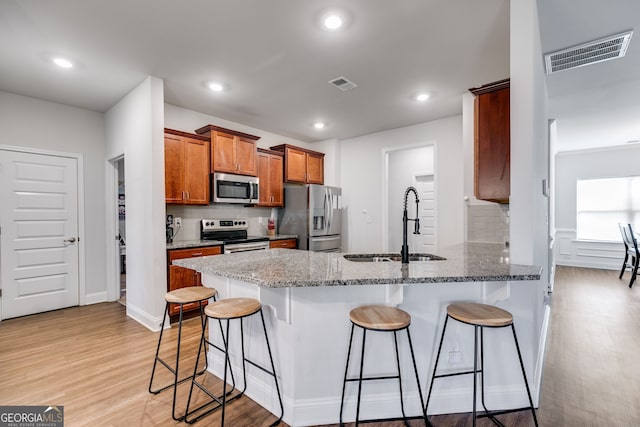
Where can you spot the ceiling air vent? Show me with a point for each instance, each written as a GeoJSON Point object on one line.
{"type": "Point", "coordinates": [611, 47]}
{"type": "Point", "coordinates": [343, 83]}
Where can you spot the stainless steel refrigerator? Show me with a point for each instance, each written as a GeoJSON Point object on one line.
{"type": "Point", "coordinates": [314, 213]}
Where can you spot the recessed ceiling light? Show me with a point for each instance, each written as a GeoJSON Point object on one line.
{"type": "Point", "coordinates": [421, 97]}
{"type": "Point", "coordinates": [62, 62]}
{"type": "Point", "coordinates": [216, 86]}
{"type": "Point", "coordinates": [319, 125]}
{"type": "Point", "coordinates": [332, 22]}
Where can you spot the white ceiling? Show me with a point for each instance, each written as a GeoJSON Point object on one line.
{"type": "Point", "coordinates": [273, 56]}
{"type": "Point", "coordinates": [596, 105]}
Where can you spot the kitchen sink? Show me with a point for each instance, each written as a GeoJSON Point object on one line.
{"type": "Point", "coordinates": [390, 257]}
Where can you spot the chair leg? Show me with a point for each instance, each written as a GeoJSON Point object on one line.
{"type": "Point", "coordinates": [475, 371]}
{"type": "Point", "coordinates": [395, 342]}
{"type": "Point", "coordinates": [175, 378]}
{"type": "Point", "coordinates": [155, 360]}
{"type": "Point", "coordinates": [624, 265]}
{"type": "Point", "coordinates": [435, 367]}
{"type": "Point", "coordinates": [635, 271]}
{"type": "Point", "coordinates": [364, 336]}
{"type": "Point", "coordinates": [415, 370]}
{"type": "Point", "coordinates": [273, 369]}
{"type": "Point", "coordinates": [346, 370]}
{"type": "Point", "coordinates": [524, 375]}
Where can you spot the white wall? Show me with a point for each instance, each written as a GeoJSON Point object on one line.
{"type": "Point", "coordinates": [135, 128]}
{"type": "Point", "coordinates": [529, 166]}
{"type": "Point", "coordinates": [33, 123]}
{"type": "Point", "coordinates": [610, 162]}
{"type": "Point", "coordinates": [362, 181]}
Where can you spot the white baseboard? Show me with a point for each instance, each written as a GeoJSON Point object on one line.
{"type": "Point", "coordinates": [95, 298]}
{"type": "Point", "coordinates": [151, 322]}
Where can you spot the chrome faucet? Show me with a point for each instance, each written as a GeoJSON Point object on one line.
{"type": "Point", "coordinates": [405, 247]}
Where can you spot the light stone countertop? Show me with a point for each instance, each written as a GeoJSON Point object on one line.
{"type": "Point", "coordinates": [184, 244]}
{"type": "Point", "coordinates": [278, 268]}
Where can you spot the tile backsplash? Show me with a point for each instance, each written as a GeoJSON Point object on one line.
{"type": "Point", "coordinates": [191, 216]}
{"type": "Point", "coordinates": [488, 223]}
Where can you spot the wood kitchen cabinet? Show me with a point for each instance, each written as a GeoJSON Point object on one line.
{"type": "Point", "coordinates": [492, 144]}
{"type": "Point", "coordinates": [186, 168]}
{"type": "Point", "coordinates": [284, 243]}
{"type": "Point", "coordinates": [301, 165]}
{"type": "Point", "coordinates": [180, 277]}
{"type": "Point", "coordinates": [270, 170]}
{"type": "Point", "coordinates": [232, 151]}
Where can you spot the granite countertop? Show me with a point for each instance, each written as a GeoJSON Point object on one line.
{"type": "Point", "coordinates": [277, 268]}
{"type": "Point", "coordinates": [184, 244]}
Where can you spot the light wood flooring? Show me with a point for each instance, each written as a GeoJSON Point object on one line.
{"type": "Point", "coordinates": [96, 362]}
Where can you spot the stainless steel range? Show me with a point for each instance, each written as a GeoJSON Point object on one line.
{"type": "Point", "coordinates": [233, 232]}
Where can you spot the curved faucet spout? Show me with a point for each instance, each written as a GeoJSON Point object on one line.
{"type": "Point", "coordinates": [405, 219]}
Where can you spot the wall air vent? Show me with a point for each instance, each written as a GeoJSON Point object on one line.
{"type": "Point", "coordinates": [611, 47]}
{"type": "Point", "coordinates": [343, 83]}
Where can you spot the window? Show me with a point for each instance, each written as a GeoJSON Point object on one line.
{"type": "Point", "coordinates": [603, 203]}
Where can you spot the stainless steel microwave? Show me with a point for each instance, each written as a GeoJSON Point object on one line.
{"type": "Point", "coordinates": [229, 188]}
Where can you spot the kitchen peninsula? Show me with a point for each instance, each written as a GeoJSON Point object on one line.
{"type": "Point", "coordinates": [308, 296]}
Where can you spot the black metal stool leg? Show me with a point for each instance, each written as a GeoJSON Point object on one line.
{"type": "Point", "coordinates": [364, 336]}
{"type": "Point", "coordinates": [415, 370]}
{"type": "Point", "coordinates": [346, 371]}
{"type": "Point", "coordinates": [395, 341]}
{"type": "Point", "coordinates": [273, 369]}
{"type": "Point", "coordinates": [475, 371]}
{"type": "Point", "coordinates": [155, 360]}
{"type": "Point", "coordinates": [524, 376]}
{"type": "Point", "coordinates": [435, 367]}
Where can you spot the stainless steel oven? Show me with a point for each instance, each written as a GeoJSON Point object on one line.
{"type": "Point", "coordinates": [229, 188]}
{"type": "Point", "coordinates": [233, 233]}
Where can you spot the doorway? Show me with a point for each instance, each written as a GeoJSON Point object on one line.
{"type": "Point", "coordinates": [122, 234]}
{"type": "Point", "coordinates": [405, 167]}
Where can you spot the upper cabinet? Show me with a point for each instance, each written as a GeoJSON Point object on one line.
{"type": "Point", "coordinates": [492, 142]}
{"type": "Point", "coordinates": [270, 170]}
{"type": "Point", "coordinates": [302, 166]}
{"type": "Point", "coordinates": [186, 168]}
{"type": "Point", "coordinates": [232, 151]}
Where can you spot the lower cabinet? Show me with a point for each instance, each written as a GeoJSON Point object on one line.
{"type": "Point", "coordinates": [180, 277]}
{"type": "Point", "coordinates": [284, 243]}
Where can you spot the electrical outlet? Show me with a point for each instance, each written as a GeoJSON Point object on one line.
{"type": "Point", "coordinates": [455, 357]}
{"type": "Point", "coordinates": [177, 221]}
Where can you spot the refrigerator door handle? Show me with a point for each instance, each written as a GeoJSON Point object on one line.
{"type": "Point", "coordinates": [327, 209]}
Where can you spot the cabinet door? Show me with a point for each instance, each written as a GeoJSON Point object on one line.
{"type": "Point", "coordinates": [173, 169]}
{"type": "Point", "coordinates": [276, 188]}
{"type": "Point", "coordinates": [315, 169]}
{"type": "Point", "coordinates": [222, 153]}
{"type": "Point", "coordinates": [264, 198]}
{"type": "Point", "coordinates": [196, 173]}
{"type": "Point", "coordinates": [492, 146]}
{"type": "Point", "coordinates": [296, 166]}
{"type": "Point", "coordinates": [245, 156]}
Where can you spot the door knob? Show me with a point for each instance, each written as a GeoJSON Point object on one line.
{"type": "Point", "coordinates": [70, 240]}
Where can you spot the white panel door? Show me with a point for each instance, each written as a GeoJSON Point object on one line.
{"type": "Point", "coordinates": [426, 240]}
{"type": "Point", "coordinates": [39, 234]}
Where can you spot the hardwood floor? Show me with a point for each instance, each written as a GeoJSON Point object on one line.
{"type": "Point", "coordinates": [96, 362]}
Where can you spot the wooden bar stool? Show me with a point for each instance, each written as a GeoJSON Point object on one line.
{"type": "Point", "coordinates": [380, 318]}
{"type": "Point", "coordinates": [229, 309]}
{"type": "Point", "coordinates": [182, 296]}
{"type": "Point", "coordinates": [482, 316]}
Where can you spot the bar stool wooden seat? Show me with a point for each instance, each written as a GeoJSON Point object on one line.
{"type": "Point", "coordinates": [379, 318]}
{"type": "Point", "coordinates": [182, 297]}
{"type": "Point", "coordinates": [481, 316]}
{"type": "Point", "coordinates": [229, 309]}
